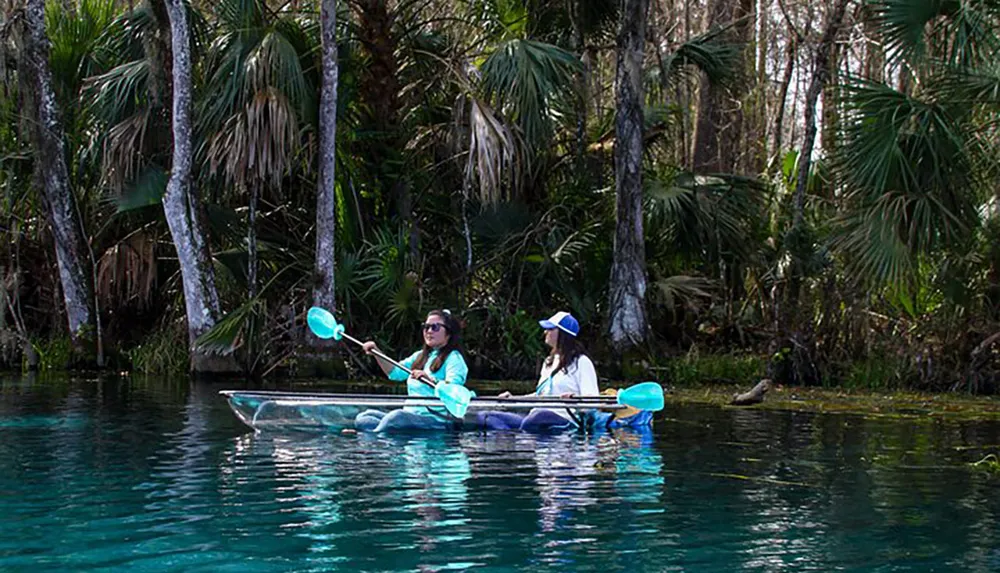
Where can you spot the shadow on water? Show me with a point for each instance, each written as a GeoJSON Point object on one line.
{"type": "Point", "coordinates": [160, 476]}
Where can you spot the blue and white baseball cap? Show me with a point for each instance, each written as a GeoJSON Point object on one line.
{"type": "Point", "coordinates": [564, 321]}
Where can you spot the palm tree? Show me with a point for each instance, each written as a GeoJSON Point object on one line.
{"type": "Point", "coordinates": [258, 100]}
{"type": "Point", "coordinates": [917, 162]}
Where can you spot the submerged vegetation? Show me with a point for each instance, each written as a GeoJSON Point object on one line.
{"type": "Point", "coordinates": [990, 463]}
{"type": "Point", "coordinates": [474, 168]}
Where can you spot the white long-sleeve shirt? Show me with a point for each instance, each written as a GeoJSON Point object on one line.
{"type": "Point", "coordinates": [579, 379]}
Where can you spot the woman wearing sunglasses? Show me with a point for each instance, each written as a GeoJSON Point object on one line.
{"type": "Point", "coordinates": [566, 372]}
{"type": "Point", "coordinates": [440, 360]}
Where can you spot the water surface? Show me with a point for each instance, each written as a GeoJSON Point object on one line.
{"type": "Point", "coordinates": [157, 475]}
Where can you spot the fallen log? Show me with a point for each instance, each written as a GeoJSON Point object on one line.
{"type": "Point", "coordinates": [754, 396]}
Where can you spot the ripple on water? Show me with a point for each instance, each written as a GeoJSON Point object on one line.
{"type": "Point", "coordinates": [150, 480]}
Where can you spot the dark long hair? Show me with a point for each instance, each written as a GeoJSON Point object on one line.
{"type": "Point", "coordinates": [569, 348]}
{"type": "Point", "coordinates": [454, 330]}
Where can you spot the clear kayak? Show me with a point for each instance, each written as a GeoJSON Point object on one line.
{"type": "Point", "coordinates": [264, 410]}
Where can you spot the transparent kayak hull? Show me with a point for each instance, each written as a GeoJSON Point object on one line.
{"type": "Point", "coordinates": [319, 412]}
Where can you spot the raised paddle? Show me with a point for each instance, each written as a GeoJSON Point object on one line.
{"type": "Point", "coordinates": [454, 397]}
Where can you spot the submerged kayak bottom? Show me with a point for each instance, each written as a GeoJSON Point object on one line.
{"type": "Point", "coordinates": [535, 422]}
{"type": "Point", "coordinates": [400, 420]}
{"type": "Point", "coordinates": [270, 411]}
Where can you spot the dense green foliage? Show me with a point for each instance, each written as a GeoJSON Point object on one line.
{"type": "Point", "coordinates": [475, 173]}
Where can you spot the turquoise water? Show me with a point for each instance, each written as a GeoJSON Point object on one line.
{"type": "Point", "coordinates": [156, 476]}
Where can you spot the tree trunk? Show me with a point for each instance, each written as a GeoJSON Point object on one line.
{"type": "Point", "coordinates": [324, 294]}
{"type": "Point", "coordinates": [831, 114]}
{"type": "Point", "coordinates": [719, 123]}
{"type": "Point", "coordinates": [180, 205]}
{"type": "Point", "coordinates": [583, 80]}
{"type": "Point", "coordinates": [821, 73]}
{"type": "Point", "coordinates": [156, 46]}
{"type": "Point", "coordinates": [791, 47]}
{"type": "Point", "coordinates": [51, 171]}
{"type": "Point", "coordinates": [379, 88]}
{"type": "Point", "coordinates": [252, 239]}
{"type": "Point", "coordinates": [874, 62]}
{"type": "Point", "coordinates": [628, 269]}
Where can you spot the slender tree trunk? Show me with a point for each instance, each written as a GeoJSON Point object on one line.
{"type": "Point", "coordinates": [831, 115]}
{"type": "Point", "coordinates": [874, 63]}
{"type": "Point", "coordinates": [157, 142]}
{"type": "Point", "coordinates": [379, 87]}
{"type": "Point", "coordinates": [684, 96]}
{"type": "Point", "coordinates": [720, 121]}
{"type": "Point", "coordinates": [755, 124]}
{"type": "Point", "coordinates": [821, 73]}
{"type": "Point", "coordinates": [324, 294]}
{"type": "Point", "coordinates": [576, 18]}
{"type": "Point", "coordinates": [53, 174]}
{"type": "Point", "coordinates": [252, 239]}
{"type": "Point", "coordinates": [180, 205]}
{"type": "Point", "coordinates": [628, 269]}
{"type": "Point", "coordinates": [791, 47]}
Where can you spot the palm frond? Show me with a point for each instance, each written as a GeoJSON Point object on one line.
{"type": "Point", "coordinates": [682, 290]}
{"type": "Point", "coordinates": [491, 157]}
{"type": "Point", "coordinates": [127, 272]}
{"type": "Point", "coordinates": [145, 191]}
{"type": "Point", "coordinates": [576, 244]}
{"type": "Point", "coordinates": [908, 167]}
{"type": "Point", "coordinates": [967, 27]}
{"type": "Point", "coordinates": [874, 250]}
{"type": "Point", "coordinates": [497, 19]}
{"type": "Point", "coordinates": [260, 93]}
{"type": "Point", "coordinates": [522, 78]}
{"type": "Point", "coordinates": [708, 53]}
{"type": "Point", "coordinates": [713, 215]}
{"type": "Point", "coordinates": [232, 331]}
{"type": "Point", "coordinates": [73, 35]}
{"type": "Point", "coordinates": [973, 87]}
{"type": "Point", "coordinates": [119, 92]}
{"type": "Point", "coordinates": [123, 39]}
{"type": "Point", "coordinates": [240, 327]}
{"type": "Point", "coordinates": [258, 144]}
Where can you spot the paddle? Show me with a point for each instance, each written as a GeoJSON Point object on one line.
{"type": "Point", "coordinates": [644, 396]}
{"type": "Point", "coordinates": [454, 397]}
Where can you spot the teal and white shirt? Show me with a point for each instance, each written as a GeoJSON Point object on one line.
{"type": "Point", "coordinates": [453, 371]}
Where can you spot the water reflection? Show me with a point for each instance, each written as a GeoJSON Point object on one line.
{"type": "Point", "coordinates": [459, 500]}
{"type": "Point", "coordinates": [160, 477]}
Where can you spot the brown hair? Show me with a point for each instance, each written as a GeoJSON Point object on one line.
{"type": "Point", "coordinates": [454, 330]}
{"type": "Point", "coordinates": [568, 347]}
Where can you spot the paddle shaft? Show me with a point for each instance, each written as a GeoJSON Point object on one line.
{"type": "Point", "coordinates": [382, 355]}
{"type": "Point", "coordinates": [274, 394]}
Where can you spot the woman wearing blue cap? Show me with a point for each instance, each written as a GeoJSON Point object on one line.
{"type": "Point", "coordinates": [566, 372]}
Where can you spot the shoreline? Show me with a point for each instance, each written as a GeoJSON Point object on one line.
{"type": "Point", "coordinates": [899, 404]}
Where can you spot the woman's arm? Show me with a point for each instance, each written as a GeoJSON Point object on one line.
{"type": "Point", "coordinates": [400, 375]}
{"type": "Point", "coordinates": [390, 369]}
{"type": "Point", "coordinates": [585, 377]}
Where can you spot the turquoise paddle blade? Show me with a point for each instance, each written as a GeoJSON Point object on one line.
{"type": "Point", "coordinates": [454, 397]}
{"type": "Point", "coordinates": [323, 324]}
{"type": "Point", "coordinates": [645, 396]}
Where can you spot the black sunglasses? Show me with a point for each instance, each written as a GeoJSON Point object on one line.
{"type": "Point", "coordinates": [434, 327]}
